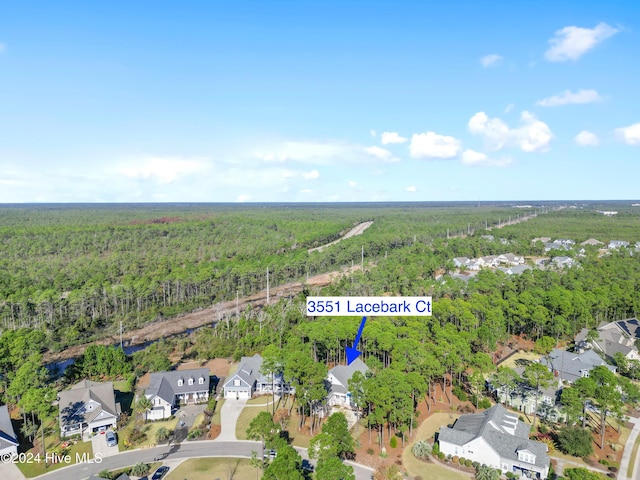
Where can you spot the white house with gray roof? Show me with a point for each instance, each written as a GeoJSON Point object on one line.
{"type": "Point", "coordinates": [498, 439]}
{"type": "Point", "coordinates": [570, 366]}
{"type": "Point", "coordinates": [168, 390]}
{"type": "Point", "coordinates": [87, 407]}
{"type": "Point", "coordinates": [248, 380]}
{"type": "Point", "coordinates": [338, 378]}
{"type": "Point", "coordinates": [8, 439]}
{"type": "Point", "coordinates": [613, 337]}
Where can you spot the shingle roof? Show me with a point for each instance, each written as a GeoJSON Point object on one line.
{"type": "Point", "coordinates": [343, 374]}
{"type": "Point", "coordinates": [572, 365]}
{"type": "Point", "coordinates": [248, 371]}
{"type": "Point", "coordinates": [166, 385]}
{"type": "Point", "coordinates": [501, 430]}
{"type": "Point", "coordinates": [81, 394]}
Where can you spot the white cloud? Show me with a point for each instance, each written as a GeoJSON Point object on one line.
{"type": "Point", "coordinates": [432, 145]}
{"type": "Point", "coordinates": [508, 108]}
{"type": "Point", "coordinates": [532, 136]}
{"type": "Point", "coordinates": [379, 152]}
{"type": "Point", "coordinates": [243, 198]}
{"type": "Point", "coordinates": [586, 138]}
{"type": "Point", "coordinates": [570, 43]}
{"type": "Point", "coordinates": [411, 189]}
{"type": "Point", "coordinates": [471, 157]}
{"type": "Point", "coordinates": [629, 135]}
{"type": "Point", "coordinates": [372, 133]}
{"type": "Point", "coordinates": [162, 169]}
{"type": "Point", "coordinates": [352, 184]}
{"type": "Point", "coordinates": [312, 175]}
{"type": "Point", "coordinates": [392, 137]}
{"type": "Point", "coordinates": [568, 97]}
{"type": "Point", "coordinates": [491, 60]}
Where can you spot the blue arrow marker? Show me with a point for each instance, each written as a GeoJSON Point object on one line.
{"type": "Point", "coordinates": [353, 352]}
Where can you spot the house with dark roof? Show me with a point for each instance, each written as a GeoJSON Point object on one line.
{"type": "Point", "coordinates": [613, 337]}
{"type": "Point", "coordinates": [8, 439]}
{"type": "Point", "coordinates": [498, 439]}
{"type": "Point", "coordinates": [87, 407]}
{"type": "Point", "coordinates": [168, 390]}
{"type": "Point", "coordinates": [570, 366]}
{"type": "Point", "coordinates": [338, 379]}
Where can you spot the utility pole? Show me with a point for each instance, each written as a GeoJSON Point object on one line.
{"type": "Point", "coordinates": [121, 335]}
{"type": "Point", "coordinates": [267, 285]}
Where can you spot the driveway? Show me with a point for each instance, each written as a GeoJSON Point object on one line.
{"type": "Point", "coordinates": [10, 471]}
{"type": "Point", "coordinates": [229, 413]}
{"type": "Point", "coordinates": [186, 417]}
{"type": "Point", "coordinates": [99, 444]}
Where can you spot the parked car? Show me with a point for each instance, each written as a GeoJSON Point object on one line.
{"type": "Point", "coordinates": [159, 473]}
{"type": "Point", "coordinates": [112, 441]}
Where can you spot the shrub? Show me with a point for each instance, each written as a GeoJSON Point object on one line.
{"type": "Point", "coordinates": [441, 455]}
{"type": "Point", "coordinates": [196, 433]}
{"type": "Point", "coordinates": [421, 449]}
{"type": "Point", "coordinates": [370, 451]}
{"type": "Point", "coordinates": [468, 463]}
{"type": "Point", "coordinates": [455, 459]}
{"type": "Point", "coordinates": [436, 448]}
{"type": "Point", "coordinates": [575, 441]}
{"type": "Point", "coordinates": [458, 392]}
{"type": "Point", "coordinates": [484, 403]}
{"type": "Point", "coordinates": [140, 469]}
{"type": "Point", "coordinates": [393, 443]}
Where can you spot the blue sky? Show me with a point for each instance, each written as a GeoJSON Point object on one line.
{"type": "Point", "coordinates": [224, 101]}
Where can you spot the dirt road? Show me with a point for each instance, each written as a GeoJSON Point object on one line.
{"type": "Point", "coordinates": [357, 230]}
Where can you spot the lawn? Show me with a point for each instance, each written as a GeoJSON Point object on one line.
{"type": "Point", "coordinates": [212, 468]}
{"type": "Point", "coordinates": [247, 414]}
{"type": "Point", "coordinates": [215, 420]}
{"type": "Point", "coordinates": [150, 428]}
{"type": "Point", "coordinates": [425, 432]}
{"type": "Point", "coordinates": [520, 359]}
{"type": "Point", "coordinates": [35, 468]}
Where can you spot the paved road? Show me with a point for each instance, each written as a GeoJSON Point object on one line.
{"type": "Point", "coordinates": [173, 452]}
{"type": "Point", "coordinates": [628, 448]}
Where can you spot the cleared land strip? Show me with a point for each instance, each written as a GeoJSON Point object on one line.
{"type": "Point", "coordinates": [219, 311]}
{"type": "Point", "coordinates": [357, 230]}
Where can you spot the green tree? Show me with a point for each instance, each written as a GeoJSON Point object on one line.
{"type": "Point", "coordinates": [544, 345]}
{"type": "Point", "coordinates": [575, 441]}
{"type": "Point", "coordinates": [332, 468]}
{"type": "Point", "coordinates": [539, 377]}
{"type": "Point", "coordinates": [140, 469]}
{"type": "Point", "coordinates": [581, 473]}
{"type": "Point", "coordinates": [338, 428]}
{"type": "Point", "coordinates": [607, 396]}
{"type": "Point", "coordinates": [286, 466]}
{"type": "Point", "coordinates": [263, 428]}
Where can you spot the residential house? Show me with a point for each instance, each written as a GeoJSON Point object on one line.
{"type": "Point", "coordinates": [613, 337]}
{"type": "Point", "coordinates": [488, 238]}
{"type": "Point", "coordinates": [87, 407]}
{"type": "Point", "coordinates": [496, 438]}
{"type": "Point", "coordinates": [563, 262]}
{"type": "Point", "coordinates": [592, 241]}
{"type": "Point", "coordinates": [567, 242]}
{"type": "Point", "coordinates": [570, 366]}
{"type": "Point", "coordinates": [511, 259]}
{"type": "Point", "coordinates": [489, 261]}
{"type": "Point", "coordinates": [515, 269]}
{"type": "Point", "coordinates": [616, 244]}
{"type": "Point", "coordinates": [338, 379]}
{"type": "Point", "coordinates": [8, 439]}
{"type": "Point", "coordinates": [249, 380]}
{"type": "Point", "coordinates": [168, 390]}
{"type": "Point", "coordinates": [555, 246]}
{"type": "Point", "coordinates": [242, 384]}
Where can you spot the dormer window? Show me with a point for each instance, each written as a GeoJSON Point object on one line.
{"type": "Point", "coordinates": [526, 456]}
{"type": "Point", "coordinates": [201, 380]}
{"type": "Point", "coordinates": [180, 382]}
{"type": "Point", "coordinates": [191, 381]}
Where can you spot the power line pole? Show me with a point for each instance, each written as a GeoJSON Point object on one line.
{"type": "Point", "coordinates": [267, 285]}
{"type": "Point", "coordinates": [121, 335]}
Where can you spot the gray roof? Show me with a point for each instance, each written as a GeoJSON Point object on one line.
{"type": "Point", "coordinates": [501, 430]}
{"type": "Point", "coordinates": [7, 434]}
{"type": "Point", "coordinates": [248, 371]}
{"type": "Point", "coordinates": [166, 385]}
{"type": "Point", "coordinates": [571, 366]}
{"type": "Point", "coordinates": [343, 374]}
{"type": "Point", "coordinates": [614, 337]}
{"type": "Point", "coordinates": [73, 401]}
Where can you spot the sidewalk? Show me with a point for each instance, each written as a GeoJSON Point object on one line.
{"type": "Point", "coordinates": [628, 449]}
